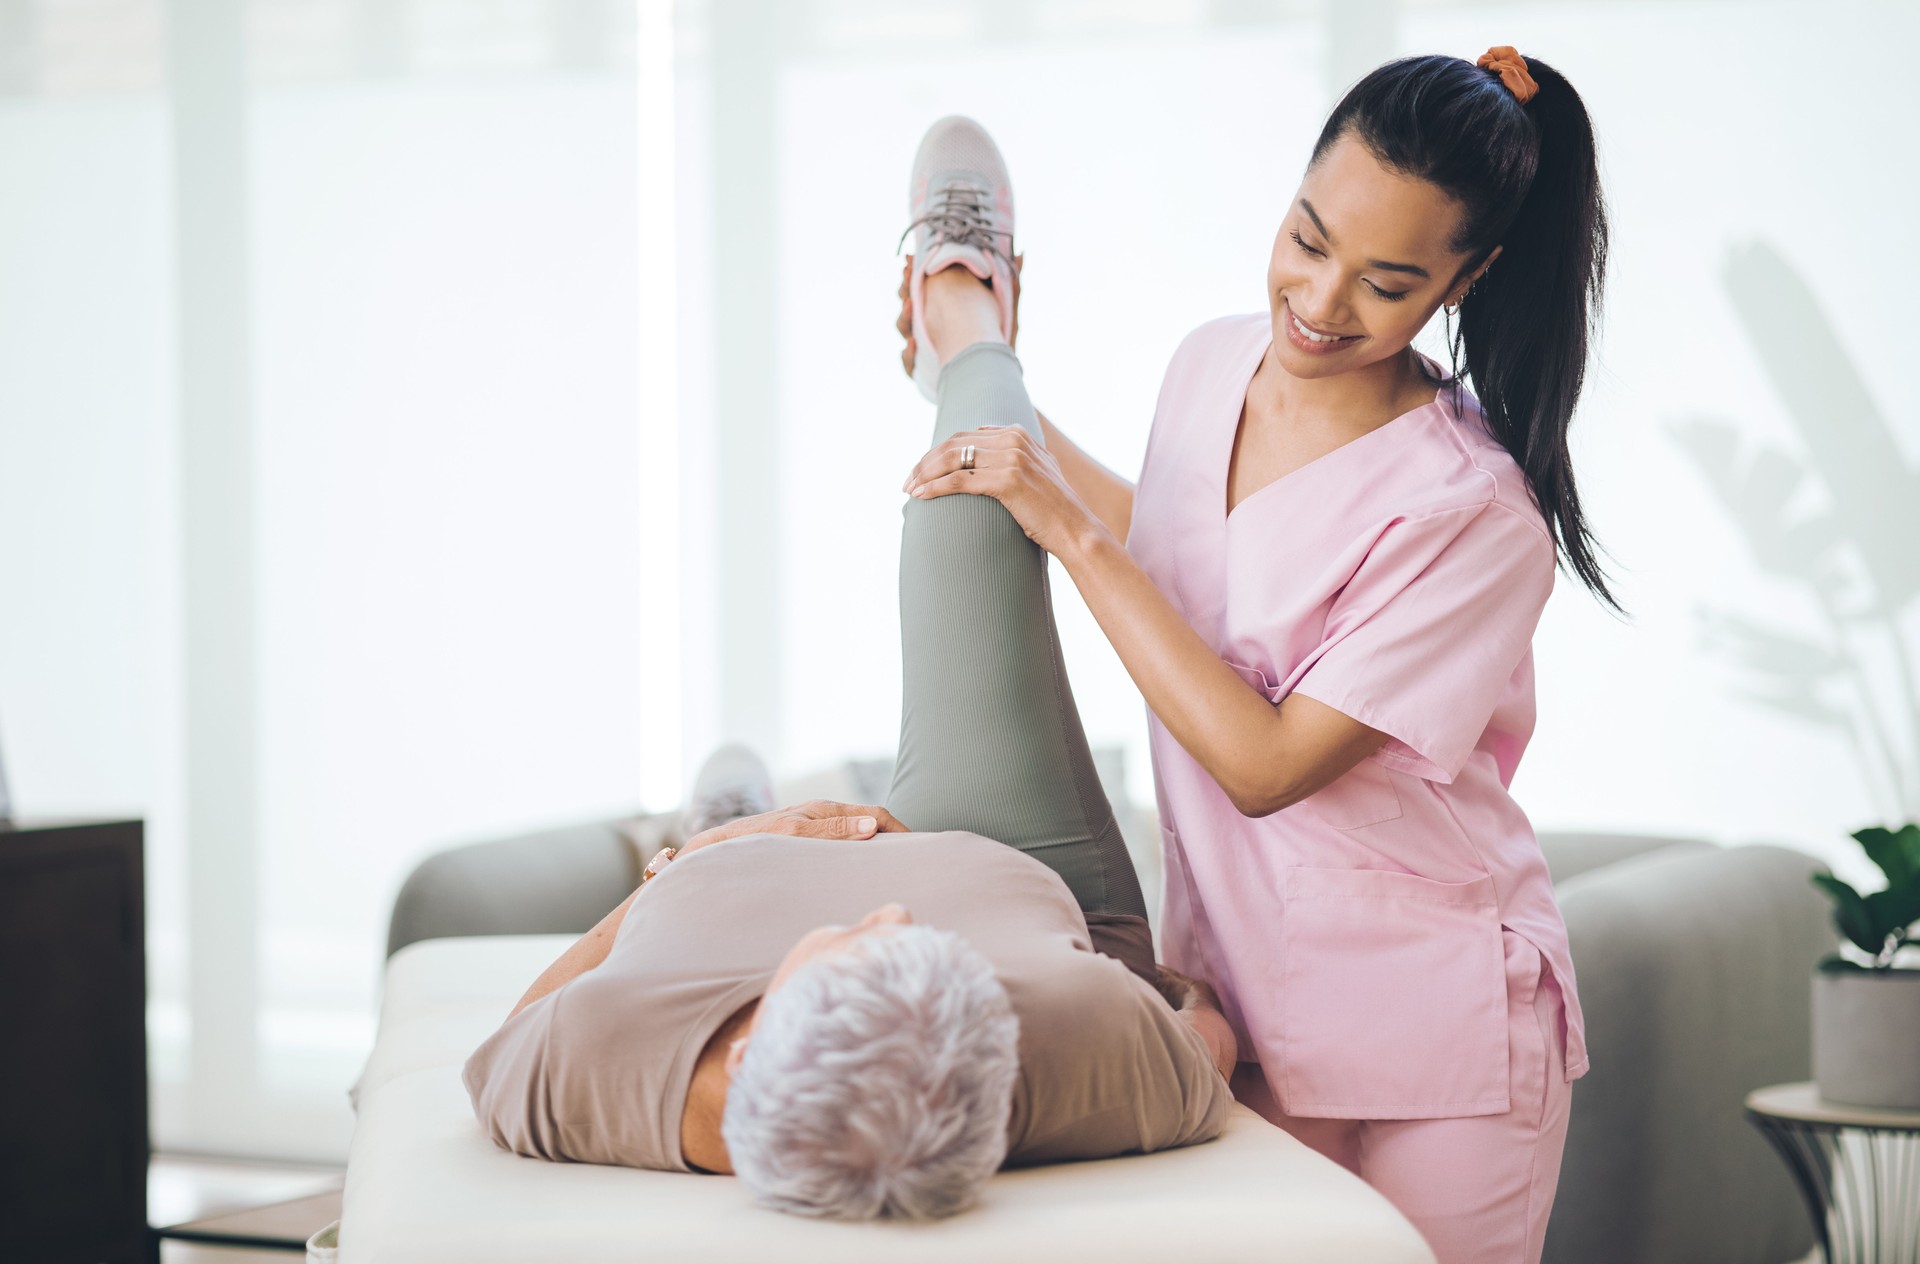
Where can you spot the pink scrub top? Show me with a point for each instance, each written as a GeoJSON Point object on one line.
{"type": "Point", "coordinates": [1357, 937]}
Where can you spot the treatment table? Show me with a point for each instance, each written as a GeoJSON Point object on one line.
{"type": "Point", "coordinates": [425, 1186]}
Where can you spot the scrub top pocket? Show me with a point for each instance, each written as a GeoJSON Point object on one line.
{"type": "Point", "coordinates": [1363, 795]}
{"type": "Point", "coordinates": [1392, 997]}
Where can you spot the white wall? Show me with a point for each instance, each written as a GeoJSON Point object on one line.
{"type": "Point", "coordinates": [448, 501]}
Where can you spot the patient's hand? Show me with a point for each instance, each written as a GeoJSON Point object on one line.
{"type": "Point", "coordinates": [1183, 992]}
{"type": "Point", "coordinates": [1199, 1005]}
{"type": "Point", "coordinates": [816, 818]}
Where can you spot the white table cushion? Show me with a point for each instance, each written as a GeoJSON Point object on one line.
{"type": "Point", "coordinates": [424, 1186]}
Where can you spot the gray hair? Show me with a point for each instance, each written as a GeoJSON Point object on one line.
{"type": "Point", "coordinates": [878, 1082]}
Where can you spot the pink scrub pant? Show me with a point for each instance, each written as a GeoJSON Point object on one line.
{"type": "Point", "coordinates": [1477, 1188]}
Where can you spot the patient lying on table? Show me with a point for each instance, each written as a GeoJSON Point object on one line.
{"type": "Point", "coordinates": [858, 1027]}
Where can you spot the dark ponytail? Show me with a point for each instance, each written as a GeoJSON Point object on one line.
{"type": "Point", "coordinates": [1527, 179]}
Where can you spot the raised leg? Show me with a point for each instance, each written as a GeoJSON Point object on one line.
{"type": "Point", "coordinates": [990, 739]}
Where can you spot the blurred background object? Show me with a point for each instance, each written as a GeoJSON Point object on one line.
{"type": "Point", "coordinates": [73, 1071]}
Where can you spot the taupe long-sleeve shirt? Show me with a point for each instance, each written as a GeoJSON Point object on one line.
{"type": "Point", "coordinates": [597, 1071]}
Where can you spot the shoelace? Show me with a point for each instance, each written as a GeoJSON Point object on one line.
{"type": "Point", "coordinates": [729, 803]}
{"type": "Point", "coordinates": [958, 214]}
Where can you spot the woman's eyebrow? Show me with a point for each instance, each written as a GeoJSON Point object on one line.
{"type": "Point", "coordinates": [1382, 264]}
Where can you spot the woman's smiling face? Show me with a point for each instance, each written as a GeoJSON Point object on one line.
{"type": "Point", "coordinates": [1362, 256]}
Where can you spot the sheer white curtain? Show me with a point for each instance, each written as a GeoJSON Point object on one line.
{"type": "Point", "coordinates": [323, 492]}
{"type": "Point", "coordinates": [337, 461]}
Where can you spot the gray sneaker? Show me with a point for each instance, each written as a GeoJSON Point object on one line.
{"type": "Point", "coordinates": [734, 782]}
{"type": "Point", "coordinates": [960, 200]}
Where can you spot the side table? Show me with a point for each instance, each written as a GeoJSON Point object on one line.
{"type": "Point", "coordinates": [1858, 1167]}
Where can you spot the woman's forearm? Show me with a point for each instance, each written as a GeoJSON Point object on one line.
{"type": "Point", "coordinates": [1266, 756]}
{"type": "Point", "coordinates": [1109, 496]}
{"type": "Point", "coordinates": [1230, 729]}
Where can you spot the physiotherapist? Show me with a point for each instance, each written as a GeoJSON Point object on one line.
{"type": "Point", "coordinates": [1325, 585]}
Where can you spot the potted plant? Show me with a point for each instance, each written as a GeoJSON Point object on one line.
{"type": "Point", "coordinates": [1866, 1014]}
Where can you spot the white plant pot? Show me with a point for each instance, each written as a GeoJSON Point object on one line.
{"type": "Point", "coordinates": [1866, 1037]}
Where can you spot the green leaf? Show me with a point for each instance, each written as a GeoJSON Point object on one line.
{"type": "Point", "coordinates": [1850, 914]}
{"type": "Point", "coordinates": [1898, 855]}
{"type": "Point", "coordinates": [1909, 837]}
{"type": "Point", "coordinates": [1894, 909]}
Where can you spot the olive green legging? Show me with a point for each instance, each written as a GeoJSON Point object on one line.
{"type": "Point", "coordinates": [990, 740]}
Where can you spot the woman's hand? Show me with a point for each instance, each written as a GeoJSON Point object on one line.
{"type": "Point", "coordinates": [1011, 466]}
{"type": "Point", "coordinates": [905, 323]}
{"type": "Point", "coordinates": [816, 818]}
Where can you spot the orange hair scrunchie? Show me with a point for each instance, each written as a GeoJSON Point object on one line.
{"type": "Point", "coordinates": [1505, 60]}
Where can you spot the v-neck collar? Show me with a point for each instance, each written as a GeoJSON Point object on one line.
{"type": "Point", "coordinates": [1223, 466]}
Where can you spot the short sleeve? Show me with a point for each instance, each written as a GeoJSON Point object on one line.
{"type": "Point", "coordinates": [1108, 1068]}
{"type": "Point", "coordinates": [504, 1079]}
{"type": "Point", "coordinates": [1421, 642]}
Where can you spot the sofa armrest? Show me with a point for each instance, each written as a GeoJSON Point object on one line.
{"type": "Point", "coordinates": [1694, 970]}
{"type": "Point", "coordinates": [1571, 853]}
{"type": "Point", "coordinates": [559, 881]}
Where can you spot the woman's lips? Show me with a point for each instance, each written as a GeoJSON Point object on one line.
{"type": "Point", "coordinates": [1313, 346]}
